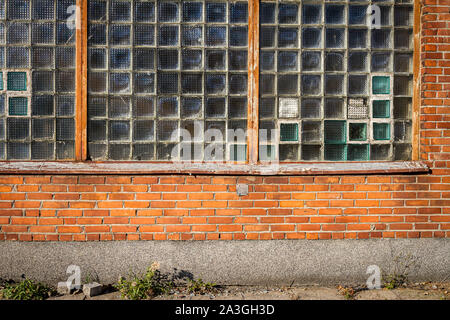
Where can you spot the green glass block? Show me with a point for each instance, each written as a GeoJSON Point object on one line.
{"type": "Point", "coordinates": [381, 85]}
{"type": "Point", "coordinates": [335, 131]}
{"type": "Point", "coordinates": [358, 152]}
{"type": "Point", "coordinates": [336, 152]}
{"type": "Point", "coordinates": [1, 80]}
{"type": "Point", "coordinates": [381, 108]}
{"type": "Point", "coordinates": [238, 152]}
{"type": "Point", "coordinates": [357, 131]}
{"type": "Point", "coordinates": [18, 106]}
{"type": "Point", "coordinates": [289, 132]}
{"type": "Point", "coordinates": [17, 81]}
{"type": "Point", "coordinates": [381, 131]}
{"type": "Point", "coordinates": [266, 152]}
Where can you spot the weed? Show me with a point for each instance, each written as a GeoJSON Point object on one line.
{"type": "Point", "coordinates": [398, 275]}
{"type": "Point", "coordinates": [347, 292]}
{"type": "Point", "coordinates": [26, 290]}
{"type": "Point", "coordinates": [198, 286]}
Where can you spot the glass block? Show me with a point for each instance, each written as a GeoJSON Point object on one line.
{"type": "Point", "coordinates": [334, 84]}
{"type": "Point", "coordinates": [17, 33]}
{"type": "Point", "coordinates": [267, 83]}
{"type": "Point", "coordinates": [311, 152]}
{"type": "Point", "coordinates": [192, 11]}
{"type": "Point", "coordinates": [311, 108]}
{"type": "Point", "coordinates": [334, 61]}
{"type": "Point", "coordinates": [64, 35]}
{"type": "Point", "coordinates": [237, 83]}
{"type": "Point", "coordinates": [403, 16]}
{"type": "Point", "coordinates": [191, 59]}
{"type": "Point", "coordinates": [65, 150]}
{"type": "Point", "coordinates": [215, 131]}
{"type": "Point", "coordinates": [191, 82]}
{"type": "Point", "coordinates": [311, 84]}
{"type": "Point", "coordinates": [42, 33]}
{"type": "Point", "coordinates": [119, 130]}
{"type": "Point", "coordinates": [267, 37]}
{"type": "Point", "coordinates": [385, 13]}
{"type": "Point", "coordinates": [358, 152]}
{"type": "Point", "coordinates": [357, 38]}
{"type": "Point", "coordinates": [334, 108]}
{"type": "Point", "coordinates": [42, 105]}
{"type": "Point", "coordinates": [238, 12]}
{"type": "Point", "coordinates": [357, 14]}
{"type": "Point", "coordinates": [119, 107]}
{"type": "Point", "coordinates": [119, 82]}
{"type": "Point", "coordinates": [65, 129]}
{"type": "Point", "coordinates": [143, 59]}
{"type": "Point", "coordinates": [287, 37]}
{"type": "Point", "coordinates": [168, 35]}
{"type": "Point", "coordinates": [2, 56]}
{"type": "Point", "coordinates": [18, 151]}
{"type": "Point", "coordinates": [311, 37]}
{"type": "Point", "coordinates": [311, 131]}
{"type": "Point", "coordinates": [97, 151]}
{"type": "Point", "coordinates": [216, 12]}
{"type": "Point", "coordinates": [2, 135]}
{"type": "Point", "coordinates": [237, 131]}
{"type": "Point", "coordinates": [402, 85]}
{"type": "Point", "coordinates": [96, 34]}
{"type": "Point", "coordinates": [311, 61]}
{"type": "Point", "coordinates": [65, 105]}
{"type": "Point", "coordinates": [96, 130]}
{"type": "Point", "coordinates": [288, 131]}
{"type": "Point", "coordinates": [96, 58]}
{"type": "Point", "coordinates": [191, 107]}
{"type": "Point", "coordinates": [403, 39]}
{"type": "Point", "coordinates": [167, 82]}
{"type": "Point", "coordinates": [143, 151]}
{"type": "Point", "coordinates": [238, 36]}
{"type": "Point", "coordinates": [43, 81]}
{"type": "Point", "coordinates": [167, 107]}
{"type": "Point", "coordinates": [311, 14]}
{"type": "Point", "coordinates": [402, 108]}
{"type": "Point", "coordinates": [2, 104]}
{"type": "Point", "coordinates": [119, 151]}
{"type": "Point", "coordinates": [119, 58]}
{"type": "Point", "coordinates": [334, 14]}
{"type": "Point", "coordinates": [335, 131]}
{"type": "Point", "coordinates": [96, 10]}
{"type": "Point", "coordinates": [216, 36]}
{"type": "Point", "coordinates": [17, 57]}
{"type": "Point", "coordinates": [143, 107]}
{"type": "Point", "coordinates": [119, 34]}
{"type": "Point", "coordinates": [267, 60]}
{"type": "Point", "coordinates": [403, 62]}
{"type": "Point", "coordinates": [192, 36]}
{"type": "Point", "coordinates": [65, 57]}
{"type": "Point", "coordinates": [144, 82]}
{"type": "Point", "coordinates": [402, 131]}
{"type": "Point", "coordinates": [335, 38]}
{"type": "Point", "coordinates": [267, 12]}
{"type": "Point", "coordinates": [267, 108]}
{"type": "Point", "coordinates": [357, 108]}
{"type": "Point", "coordinates": [215, 59]}
{"type": "Point", "coordinates": [288, 152]}
{"type": "Point", "coordinates": [237, 60]}
{"type": "Point", "coordinates": [357, 84]}
{"type": "Point", "coordinates": [267, 132]}
{"type": "Point", "coordinates": [167, 130]}
{"type": "Point", "coordinates": [192, 131]}
{"type": "Point", "coordinates": [237, 107]}
{"type": "Point", "coordinates": [288, 108]}
{"type": "Point", "coordinates": [144, 11]}
{"type": "Point", "coordinates": [96, 106]}
{"type": "Point", "coordinates": [143, 130]}
{"type": "Point", "coordinates": [18, 106]}
{"type": "Point", "coordinates": [335, 152]}
{"type": "Point", "coordinates": [18, 10]}
{"type": "Point", "coordinates": [18, 128]}
{"type": "Point", "coordinates": [381, 131]}
{"type": "Point", "coordinates": [287, 61]}
{"type": "Point", "coordinates": [381, 38]}
{"type": "Point", "coordinates": [267, 152]}
{"type": "Point", "coordinates": [381, 85]}
{"type": "Point", "coordinates": [381, 108]}
{"type": "Point", "coordinates": [166, 151]}
{"type": "Point", "coordinates": [381, 62]}
{"type": "Point", "coordinates": [287, 84]}
{"type": "Point", "coordinates": [287, 13]}
{"type": "Point", "coordinates": [119, 11]}
{"type": "Point", "coordinates": [168, 12]}
{"type": "Point", "coordinates": [380, 151]}
{"type": "Point", "coordinates": [65, 81]}
{"type": "Point", "coordinates": [402, 151]}
{"type": "Point", "coordinates": [238, 152]}
{"type": "Point", "coordinates": [215, 83]}
{"type": "Point", "coordinates": [357, 61]}
{"type": "Point", "coordinates": [144, 35]}
{"type": "Point", "coordinates": [357, 131]}
{"type": "Point", "coordinates": [17, 81]}
{"type": "Point", "coordinates": [96, 82]}
{"type": "Point", "coordinates": [167, 59]}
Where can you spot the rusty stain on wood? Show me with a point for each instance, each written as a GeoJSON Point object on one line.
{"type": "Point", "coordinates": [416, 82]}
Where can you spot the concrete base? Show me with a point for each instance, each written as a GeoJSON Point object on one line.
{"type": "Point", "coordinates": [230, 262]}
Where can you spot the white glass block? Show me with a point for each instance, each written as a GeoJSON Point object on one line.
{"type": "Point", "coordinates": [288, 108]}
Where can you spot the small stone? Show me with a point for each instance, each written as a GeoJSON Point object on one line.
{"type": "Point", "coordinates": [434, 286]}
{"type": "Point", "coordinates": [92, 289]}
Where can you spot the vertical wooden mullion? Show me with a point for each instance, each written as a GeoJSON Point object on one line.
{"type": "Point", "coordinates": [416, 82]}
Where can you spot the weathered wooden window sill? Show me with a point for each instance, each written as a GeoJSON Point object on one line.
{"type": "Point", "coordinates": [136, 168]}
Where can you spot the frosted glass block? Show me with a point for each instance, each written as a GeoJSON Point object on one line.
{"type": "Point", "coordinates": [311, 131]}
{"type": "Point", "coordinates": [311, 84]}
{"type": "Point", "coordinates": [143, 59]}
{"type": "Point", "coordinates": [267, 152]}
{"type": "Point", "coordinates": [96, 82]}
{"type": "Point", "coordinates": [334, 84]}
{"type": "Point", "coordinates": [288, 131]}
{"type": "Point", "coordinates": [166, 130]}
{"type": "Point", "coordinates": [18, 128]}
{"type": "Point", "coordinates": [217, 128]}
{"type": "Point", "coordinates": [402, 108]}
{"type": "Point", "coordinates": [64, 35]}
{"type": "Point", "coordinates": [18, 151]}
{"type": "Point", "coordinates": [357, 61]}
{"type": "Point", "coordinates": [238, 12]}
{"type": "Point", "coordinates": [167, 107]}
{"type": "Point", "coordinates": [288, 108]}
{"type": "Point", "coordinates": [311, 37]}
{"type": "Point", "coordinates": [357, 38]}
{"type": "Point", "coordinates": [18, 9]}
{"type": "Point", "coordinates": [287, 37]}
{"type": "Point", "coordinates": [237, 60]}
{"type": "Point", "coordinates": [168, 35]}
{"type": "Point", "coordinates": [119, 11]}
{"type": "Point", "coordinates": [215, 59]}
{"type": "Point", "coordinates": [43, 81]}
{"type": "Point", "coordinates": [192, 11]}
{"type": "Point", "coordinates": [335, 131]}
{"type": "Point", "coordinates": [358, 152]}
{"type": "Point", "coordinates": [65, 129]}
{"type": "Point", "coordinates": [381, 131]}
{"type": "Point", "coordinates": [191, 107]}
{"type": "Point", "coordinates": [381, 108]}
{"type": "Point", "coordinates": [143, 151]}
{"type": "Point", "coordinates": [191, 59]}
{"type": "Point", "coordinates": [144, 11]}
{"type": "Point", "coordinates": [237, 107]}
{"type": "Point", "coordinates": [119, 34]}
{"type": "Point", "coordinates": [334, 61]}
{"type": "Point", "coordinates": [16, 81]}
{"type": "Point", "coordinates": [237, 84]}
{"type": "Point", "coordinates": [335, 38]}
{"type": "Point", "coordinates": [96, 58]}
{"type": "Point", "coordinates": [43, 9]}
{"type": "Point", "coordinates": [334, 108]}
{"type": "Point", "coordinates": [402, 85]}
{"type": "Point", "coordinates": [288, 152]}
{"type": "Point", "coordinates": [216, 36]}
{"type": "Point", "coordinates": [192, 131]}
{"type": "Point", "coordinates": [357, 108]}
{"type": "Point", "coordinates": [215, 83]}
{"type": "Point", "coordinates": [144, 82]}
{"type": "Point", "coordinates": [192, 36]}
{"type": "Point", "coordinates": [97, 151]}
{"type": "Point", "coordinates": [403, 16]}
{"type": "Point", "coordinates": [403, 39]}
{"type": "Point", "coordinates": [65, 150]}
{"type": "Point", "coordinates": [380, 85]}
{"type": "Point", "coordinates": [191, 82]}
{"type": "Point", "coordinates": [311, 61]}
{"type": "Point", "coordinates": [143, 130]}
{"type": "Point", "coordinates": [357, 131]}
{"type": "Point", "coordinates": [311, 14]}
{"type": "Point", "coordinates": [65, 105]}
{"type": "Point", "coordinates": [335, 152]}
{"type": "Point", "coordinates": [65, 81]}
{"type": "Point", "coordinates": [402, 151]}
{"type": "Point", "coordinates": [357, 84]}
{"type": "Point", "coordinates": [381, 38]}
{"type": "Point", "coordinates": [238, 152]}
{"type": "Point", "coordinates": [96, 10]}
{"type": "Point", "coordinates": [287, 84]}
{"type": "Point", "coordinates": [267, 60]}
{"type": "Point", "coordinates": [119, 151]}
{"type": "Point", "coordinates": [96, 130]}
{"type": "Point", "coordinates": [144, 35]}
{"type": "Point", "coordinates": [267, 132]}
{"type": "Point", "coordinates": [237, 127]}
{"type": "Point", "coordinates": [119, 82]}
{"type": "Point", "coordinates": [42, 105]}
{"type": "Point", "coordinates": [119, 58]}
{"type": "Point", "coordinates": [96, 106]}
{"type": "Point", "coordinates": [267, 37]}
{"type": "Point", "coordinates": [216, 12]}
{"type": "Point", "coordinates": [287, 13]}
{"type": "Point", "coordinates": [17, 33]}
{"type": "Point", "coordinates": [402, 131]}
{"type": "Point", "coordinates": [380, 152]}
{"type": "Point", "coordinates": [311, 152]}
{"type": "Point", "coordinates": [96, 34]}
{"type": "Point", "coordinates": [18, 106]}
{"type": "Point", "coordinates": [334, 14]}
{"type": "Point", "coordinates": [267, 108]}
{"type": "Point", "coordinates": [381, 62]}
{"type": "Point", "coordinates": [119, 130]}
{"type": "Point", "coordinates": [143, 107]}
{"type": "Point", "coordinates": [65, 57]}
{"type": "Point", "coordinates": [17, 57]}
{"type": "Point", "coordinates": [168, 12]}
{"type": "Point", "coordinates": [238, 36]}
{"type": "Point", "coordinates": [267, 83]}
{"type": "Point", "coordinates": [403, 62]}
{"type": "Point", "coordinates": [357, 14]}
{"type": "Point", "coordinates": [287, 61]}
{"type": "Point", "coordinates": [119, 107]}
{"type": "Point", "coordinates": [167, 82]}
{"type": "Point", "coordinates": [267, 12]}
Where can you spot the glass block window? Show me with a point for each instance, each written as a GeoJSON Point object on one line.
{"type": "Point", "coordinates": [333, 85]}
{"type": "Point", "coordinates": [167, 80]}
{"type": "Point", "coordinates": [37, 89]}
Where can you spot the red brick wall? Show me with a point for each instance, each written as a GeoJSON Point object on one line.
{"type": "Point", "coordinates": [83, 208]}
